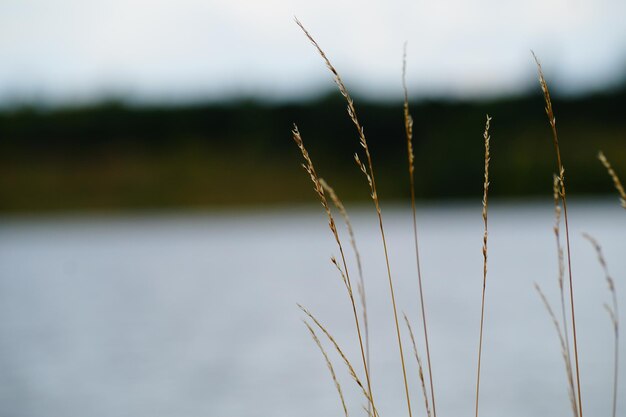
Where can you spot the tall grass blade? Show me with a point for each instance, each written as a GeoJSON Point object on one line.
{"type": "Point", "coordinates": [408, 127]}
{"type": "Point", "coordinates": [613, 314]}
{"type": "Point", "coordinates": [419, 364]}
{"type": "Point", "coordinates": [486, 138]}
{"type": "Point", "coordinates": [561, 169]}
{"type": "Point", "coordinates": [556, 191]}
{"type": "Point", "coordinates": [564, 352]}
{"type": "Point", "coordinates": [344, 358]}
{"type": "Point", "coordinates": [567, 354]}
{"type": "Point", "coordinates": [361, 283]}
{"type": "Point", "coordinates": [369, 174]}
{"type": "Point", "coordinates": [330, 367]}
{"type": "Point", "coordinates": [319, 189]}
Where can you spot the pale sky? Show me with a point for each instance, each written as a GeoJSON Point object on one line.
{"type": "Point", "coordinates": [157, 50]}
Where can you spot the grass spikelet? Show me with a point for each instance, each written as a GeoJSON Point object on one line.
{"type": "Point", "coordinates": [369, 173]}
{"type": "Point", "coordinates": [333, 261]}
{"type": "Point", "coordinates": [317, 186]}
{"type": "Point", "coordinates": [614, 177]}
{"type": "Point", "coordinates": [408, 127]}
{"type": "Point", "coordinates": [344, 358]}
{"type": "Point", "coordinates": [345, 275]}
{"type": "Point", "coordinates": [556, 191]}
{"type": "Point", "coordinates": [561, 169]}
{"type": "Point", "coordinates": [329, 365]}
{"type": "Point", "coordinates": [486, 137]}
{"type": "Point", "coordinates": [361, 283]}
{"type": "Point", "coordinates": [613, 313]}
{"type": "Point", "coordinates": [564, 350]}
{"type": "Point", "coordinates": [419, 364]}
{"type": "Point", "coordinates": [557, 181]}
{"type": "Point", "coordinates": [567, 355]}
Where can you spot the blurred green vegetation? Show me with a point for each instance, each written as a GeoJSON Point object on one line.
{"type": "Point", "coordinates": [114, 156]}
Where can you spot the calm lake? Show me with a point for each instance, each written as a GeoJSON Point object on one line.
{"type": "Point", "coordinates": [194, 314]}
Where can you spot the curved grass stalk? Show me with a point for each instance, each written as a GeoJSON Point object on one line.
{"type": "Point", "coordinates": [369, 174]}
{"type": "Point", "coordinates": [419, 364]}
{"type": "Point", "coordinates": [361, 283]}
{"type": "Point", "coordinates": [408, 127]}
{"type": "Point", "coordinates": [613, 314]}
{"type": "Point", "coordinates": [319, 189]}
{"type": "Point", "coordinates": [567, 355]}
{"type": "Point", "coordinates": [564, 349]}
{"type": "Point", "coordinates": [485, 236]}
{"type": "Point", "coordinates": [330, 367]}
{"type": "Point", "coordinates": [344, 358]}
{"type": "Point", "coordinates": [555, 139]}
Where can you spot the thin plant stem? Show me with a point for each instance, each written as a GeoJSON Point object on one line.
{"type": "Point", "coordinates": [330, 367]}
{"type": "Point", "coordinates": [567, 354]}
{"type": "Point", "coordinates": [564, 353]}
{"type": "Point", "coordinates": [361, 283]}
{"type": "Point", "coordinates": [343, 356]}
{"type": "Point", "coordinates": [552, 121]}
{"type": "Point", "coordinates": [613, 314]}
{"type": "Point", "coordinates": [408, 127]}
{"type": "Point", "coordinates": [485, 236]}
{"type": "Point", "coordinates": [319, 189]}
{"type": "Point", "coordinates": [369, 174]}
{"type": "Point", "coordinates": [419, 364]}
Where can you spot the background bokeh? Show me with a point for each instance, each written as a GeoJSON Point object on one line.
{"type": "Point", "coordinates": [133, 104]}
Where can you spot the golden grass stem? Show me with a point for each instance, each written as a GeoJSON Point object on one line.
{"type": "Point", "coordinates": [567, 354]}
{"type": "Point", "coordinates": [613, 314]}
{"type": "Point", "coordinates": [361, 283]}
{"type": "Point", "coordinates": [344, 358]}
{"type": "Point", "coordinates": [552, 121]}
{"type": "Point", "coordinates": [618, 184]}
{"type": "Point", "coordinates": [319, 189]}
{"type": "Point", "coordinates": [369, 173]}
{"type": "Point", "coordinates": [330, 367]}
{"type": "Point", "coordinates": [408, 127]}
{"type": "Point", "coordinates": [564, 349]}
{"type": "Point", "coordinates": [419, 364]}
{"type": "Point", "coordinates": [486, 138]}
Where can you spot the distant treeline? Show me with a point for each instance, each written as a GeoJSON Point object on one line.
{"type": "Point", "coordinates": [116, 156]}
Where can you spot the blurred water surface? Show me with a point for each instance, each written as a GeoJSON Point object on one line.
{"type": "Point", "coordinates": [195, 314]}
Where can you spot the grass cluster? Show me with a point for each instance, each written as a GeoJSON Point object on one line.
{"type": "Point", "coordinates": [564, 321]}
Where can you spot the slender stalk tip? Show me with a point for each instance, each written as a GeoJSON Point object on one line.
{"type": "Point", "coordinates": [485, 207]}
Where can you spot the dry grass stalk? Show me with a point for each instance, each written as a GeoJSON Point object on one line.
{"type": "Point", "coordinates": [613, 314]}
{"type": "Point", "coordinates": [419, 364]}
{"type": "Point", "coordinates": [557, 192]}
{"type": "Point", "coordinates": [319, 189]}
{"type": "Point", "coordinates": [330, 367]}
{"type": "Point", "coordinates": [555, 138]}
{"type": "Point", "coordinates": [333, 261]}
{"type": "Point", "coordinates": [614, 177]}
{"type": "Point", "coordinates": [564, 349]}
{"type": "Point", "coordinates": [486, 138]}
{"type": "Point", "coordinates": [344, 358]}
{"type": "Point", "coordinates": [369, 173]}
{"type": "Point", "coordinates": [317, 186]}
{"type": "Point", "coordinates": [361, 283]}
{"type": "Point", "coordinates": [408, 127]}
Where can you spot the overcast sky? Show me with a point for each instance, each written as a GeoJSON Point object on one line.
{"type": "Point", "coordinates": [157, 50]}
